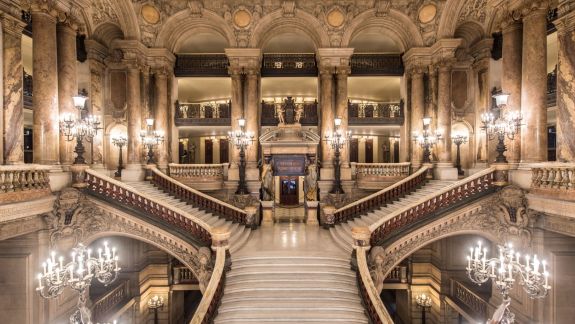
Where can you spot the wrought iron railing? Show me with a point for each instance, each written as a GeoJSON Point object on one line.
{"type": "Point", "coordinates": [127, 197]}
{"type": "Point", "coordinates": [451, 197]}
{"type": "Point", "coordinates": [291, 64]}
{"type": "Point", "coordinates": [23, 182]}
{"type": "Point", "coordinates": [199, 199]}
{"type": "Point", "coordinates": [102, 307]}
{"type": "Point", "coordinates": [189, 65]}
{"type": "Point", "coordinates": [375, 113]}
{"type": "Point", "coordinates": [377, 64]}
{"type": "Point", "coordinates": [289, 105]}
{"type": "Point", "coordinates": [203, 114]}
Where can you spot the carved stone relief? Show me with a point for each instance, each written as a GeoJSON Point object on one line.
{"type": "Point", "coordinates": [475, 10]}
{"type": "Point", "coordinates": [103, 11]}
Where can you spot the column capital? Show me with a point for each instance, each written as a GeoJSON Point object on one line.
{"type": "Point", "coordinates": [338, 58]}
{"type": "Point", "coordinates": [48, 7]}
{"type": "Point", "coordinates": [417, 60]}
{"type": "Point", "coordinates": [244, 60]}
{"type": "Point", "coordinates": [11, 25]}
{"type": "Point", "coordinates": [534, 8]}
{"type": "Point", "coordinates": [566, 21]}
{"type": "Point", "coordinates": [482, 50]}
{"type": "Point", "coordinates": [443, 51]}
{"type": "Point", "coordinates": [96, 51]}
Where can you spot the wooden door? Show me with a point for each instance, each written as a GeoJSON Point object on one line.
{"type": "Point", "coordinates": [369, 151]}
{"type": "Point", "coordinates": [209, 152]}
{"type": "Point", "coordinates": [289, 190]}
{"type": "Point", "coordinates": [224, 151]}
{"type": "Point", "coordinates": [353, 150]}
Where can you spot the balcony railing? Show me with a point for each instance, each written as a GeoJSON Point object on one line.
{"type": "Point", "coordinates": [203, 114]}
{"type": "Point", "coordinates": [397, 275]}
{"type": "Point", "coordinates": [183, 275]}
{"type": "Point", "coordinates": [379, 175]}
{"type": "Point", "coordinates": [189, 65]}
{"type": "Point", "coordinates": [23, 182]}
{"type": "Point", "coordinates": [288, 108]}
{"type": "Point", "coordinates": [111, 301]}
{"type": "Point", "coordinates": [289, 64]}
{"type": "Point", "coordinates": [554, 179]}
{"type": "Point", "coordinates": [470, 301]}
{"type": "Point", "coordinates": [203, 177]}
{"type": "Point", "coordinates": [375, 113]}
{"type": "Point", "coordinates": [377, 64]}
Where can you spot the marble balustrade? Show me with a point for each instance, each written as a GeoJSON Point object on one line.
{"type": "Point", "coordinates": [23, 182]}
{"type": "Point", "coordinates": [553, 178]}
{"type": "Point", "coordinates": [110, 301]}
{"type": "Point", "coordinates": [373, 176]}
{"type": "Point", "coordinates": [200, 176]}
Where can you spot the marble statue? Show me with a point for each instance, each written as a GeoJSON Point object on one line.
{"type": "Point", "coordinates": [267, 182]}
{"type": "Point", "coordinates": [280, 113]}
{"type": "Point", "coordinates": [298, 113]}
{"type": "Point", "coordinates": [310, 182]}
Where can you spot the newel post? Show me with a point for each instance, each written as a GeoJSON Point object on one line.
{"type": "Point", "coordinates": [252, 216]}
{"type": "Point", "coordinates": [79, 175]}
{"type": "Point", "coordinates": [328, 216]}
{"type": "Point", "coordinates": [361, 236]}
{"type": "Point", "coordinates": [220, 240]}
{"type": "Point", "coordinates": [501, 176]}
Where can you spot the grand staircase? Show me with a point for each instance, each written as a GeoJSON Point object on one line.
{"type": "Point", "coordinates": [239, 233]}
{"type": "Point", "coordinates": [341, 233]}
{"type": "Point", "coordinates": [290, 274]}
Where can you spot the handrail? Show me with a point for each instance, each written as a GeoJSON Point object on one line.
{"type": "Point", "coordinates": [123, 194]}
{"type": "Point", "coordinates": [476, 184]}
{"type": "Point", "coordinates": [469, 298]}
{"type": "Point", "coordinates": [110, 300]}
{"type": "Point", "coordinates": [207, 308]}
{"type": "Point", "coordinates": [382, 197]}
{"type": "Point", "coordinates": [375, 308]}
{"type": "Point", "coordinates": [30, 178]}
{"type": "Point", "coordinates": [197, 198]}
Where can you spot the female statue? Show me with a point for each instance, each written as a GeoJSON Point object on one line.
{"type": "Point", "coordinates": [310, 182]}
{"type": "Point", "coordinates": [267, 181]}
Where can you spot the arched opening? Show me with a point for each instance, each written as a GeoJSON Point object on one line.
{"type": "Point", "coordinates": [374, 40]}
{"type": "Point", "coordinates": [106, 33]}
{"type": "Point", "coordinates": [201, 42]}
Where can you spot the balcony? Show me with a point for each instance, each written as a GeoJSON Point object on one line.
{"type": "Point", "coordinates": [201, 65]}
{"type": "Point", "coordinates": [289, 107]}
{"type": "Point", "coordinates": [213, 113]}
{"type": "Point", "coordinates": [375, 113]}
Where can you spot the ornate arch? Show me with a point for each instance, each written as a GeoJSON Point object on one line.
{"type": "Point", "coordinates": [400, 27]}
{"type": "Point", "coordinates": [182, 25]}
{"type": "Point", "coordinates": [106, 32]}
{"type": "Point", "coordinates": [470, 31]}
{"type": "Point", "coordinates": [275, 23]}
{"type": "Point", "coordinates": [129, 21]}
{"type": "Point", "coordinates": [457, 12]}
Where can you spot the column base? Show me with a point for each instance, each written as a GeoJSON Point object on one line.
{"type": "Point", "coordinates": [133, 172]}
{"type": "Point", "coordinates": [268, 213]}
{"type": "Point", "coordinates": [311, 213]}
{"type": "Point", "coordinates": [59, 178]}
{"type": "Point", "coordinates": [445, 171]}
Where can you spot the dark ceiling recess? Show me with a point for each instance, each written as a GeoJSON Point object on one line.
{"type": "Point", "coordinates": [81, 53]}
{"type": "Point", "coordinates": [27, 18]}
{"type": "Point", "coordinates": [497, 50]}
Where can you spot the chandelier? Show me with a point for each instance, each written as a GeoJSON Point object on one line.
{"type": "Point", "coordinates": [337, 139]}
{"type": "Point", "coordinates": [151, 138]}
{"type": "Point", "coordinates": [532, 274]}
{"type": "Point", "coordinates": [501, 126]}
{"type": "Point", "coordinates": [77, 275]}
{"type": "Point", "coordinates": [79, 127]}
{"type": "Point", "coordinates": [427, 139]}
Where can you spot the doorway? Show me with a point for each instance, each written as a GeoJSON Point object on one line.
{"type": "Point", "coordinates": [289, 191]}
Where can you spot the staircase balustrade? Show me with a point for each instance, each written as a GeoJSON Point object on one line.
{"type": "Point", "coordinates": [379, 175]}
{"type": "Point", "coordinates": [200, 176]}
{"type": "Point", "coordinates": [464, 296]}
{"type": "Point", "coordinates": [23, 182]}
{"type": "Point", "coordinates": [382, 197]}
{"type": "Point", "coordinates": [110, 301]}
{"type": "Point", "coordinates": [469, 188]}
{"type": "Point", "coordinates": [201, 200]}
{"type": "Point", "coordinates": [554, 179]}
{"type": "Point", "coordinates": [123, 195]}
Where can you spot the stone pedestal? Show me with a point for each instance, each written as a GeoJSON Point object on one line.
{"type": "Point", "coordinates": [133, 172]}
{"type": "Point", "coordinates": [501, 174]}
{"type": "Point", "coordinates": [311, 212]}
{"type": "Point", "coordinates": [268, 213]}
{"type": "Point", "coordinates": [445, 171]}
{"type": "Point", "coordinates": [252, 219]}
{"type": "Point", "coordinates": [59, 178]}
{"type": "Point", "coordinates": [78, 175]}
{"type": "Point", "coordinates": [327, 217]}
{"type": "Point", "coordinates": [327, 173]}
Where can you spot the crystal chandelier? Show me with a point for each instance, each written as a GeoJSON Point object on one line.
{"type": "Point", "coordinates": [78, 275]}
{"type": "Point", "coordinates": [502, 126]}
{"type": "Point", "coordinates": [79, 128]}
{"type": "Point", "coordinates": [532, 275]}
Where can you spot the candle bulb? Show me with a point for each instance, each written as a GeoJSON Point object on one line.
{"type": "Point", "coordinates": [492, 264]}
{"type": "Point", "coordinates": [544, 266]}
{"type": "Point", "coordinates": [89, 253]}
{"type": "Point", "coordinates": [53, 257]}
{"type": "Point", "coordinates": [468, 262]}
{"type": "Point", "coordinates": [60, 260]}
{"type": "Point", "coordinates": [40, 282]}
{"type": "Point", "coordinates": [546, 275]}
{"type": "Point", "coordinates": [44, 266]}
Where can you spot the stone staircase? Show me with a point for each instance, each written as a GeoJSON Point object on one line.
{"type": "Point", "coordinates": [294, 278]}
{"type": "Point", "coordinates": [239, 233]}
{"type": "Point", "coordinates": [341, 233]}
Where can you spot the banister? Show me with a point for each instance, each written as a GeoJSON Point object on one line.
{"type": "Point", "coordinates": [202, 200]}
{"type": "Point", "coordinates": [127, 196]}
{"type": "Point", "coordinates": [382, 197]}
{"type": "Point", "coordinates": [375, 308]}
{"type": "Point", "coordinates": [478, 183]}
{"type": "Point", "coordinates": [207, 309]}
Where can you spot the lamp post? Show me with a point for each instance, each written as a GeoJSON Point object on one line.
{"type": "Point", "coordinates": [151, 138]}
{"type": "Point", "coordinates": [79, 128]}
{"type": "Point", "coordinates": [241, 140]}
{"type": "Point", "coordinates": [119, 141]}
{"type": "Point", "coordinates": [337, 140]}
{"type": "Point", "coordinates": [424, 302]}
{"type": "Point", "coordinates": [532, 275]}
{"type": "Point", "coordinates": [458, 139]}
{"type": "Point", "coordinates": [501, 126]}
{"type": "Point", "coordinates": [426, 139]}
{"type": "Point", "coordinates": [154, 304]}
{"type": "Point", "coordinates": [78, 275]}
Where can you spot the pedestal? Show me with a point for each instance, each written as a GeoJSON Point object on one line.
{"type": "Point", "coordinates": [78, 175]}
{"type": "Point", "coordinates": [311, 212]}
{"type": "Point", "coordinates": [59, 178]}
{"type": "Point", "coordinates": [327, 217]}
{"type": "Point", "coordinates": [133, 172]}
{"type": "Point", "coordinates": [445, 171]}
{"type": "Point", "coordinates": [268, 213]}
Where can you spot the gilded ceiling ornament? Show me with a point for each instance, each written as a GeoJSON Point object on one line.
{"type": "Point", "coordinates": [335, 18]}
{"type": "Point", "coordinates": [150, 14]}
{"type": "Point", "coordinates": [242, 18]}
{"type": "Point", "coordinates": [427, 13]}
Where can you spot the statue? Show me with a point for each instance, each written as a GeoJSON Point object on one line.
{"type": "Point", "coordinates": [298, 112]}
{"type": "Point", "coordinates": [280, 113]}
{"type": "Point", "coordinates": [267, 181]}
{"type": "Point", "coordinates": [310, 182]}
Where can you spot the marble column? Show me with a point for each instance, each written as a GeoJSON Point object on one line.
{"type": "Point", "coordinates": [12, 74]}
{"type": "Point", "coordinates": [237, 111]}
{"type": "Point", "coordinates": [161, 115]}
{"type": "Point", "coordinates": [341, 108]}
{"type": "Point", "coordinates": [405, 130]}
{"type": "Point", "coordinates": [67, 84]}
{"type": "Point", "coordinates": [511, 78]}
{"type": "Point", "coordinates": [327, 116]}
{"type": "Point", "coordinates": [45, 99]}
{"type": "Point", "coordinates": [97, 75]}
{"type": "Point", "coordinates": [417, 109]}
{"type": "Point", "coordinates": [251, 115]}
{"type": "Point", "coordinates": [134, 115]}
{"type": "Point", "coordinates": [445, 169]}
{"type": "Point", "coordinates": [566, 85]}
{"type": "Point", "coordinates": [534, 87]}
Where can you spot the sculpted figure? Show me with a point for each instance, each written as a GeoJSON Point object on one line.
{"type": "Point", "coordinates": [267, 181]}
{"type": "Point", "coordinates": [280, 113]}
{"type": "Point", "coordinates": [298, 113]}
{"type": "Point", "coordinates": [310, 182]}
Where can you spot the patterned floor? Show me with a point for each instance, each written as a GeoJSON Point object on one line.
{"type": "Point", "coordinates": [289, 215]}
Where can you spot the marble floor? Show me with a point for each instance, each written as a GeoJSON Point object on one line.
{"type": "Point", "coordinates": [289, 215]}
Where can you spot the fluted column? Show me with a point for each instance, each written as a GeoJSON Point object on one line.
{"type": "Point", "coordinates": [252, 101]}
{"type": "Point", "coordinates": [67, 82]}
{"type": "Point", "coordinates": [444, 113]}
{"type": "Point", "coordinates": [134, 117]}
{"type": "Point", "coordinates": [45, 99]}
{"type": "Point", "coordinates": [511, 78]}
{"type": "Point", "coordinates": [96, 56]}
{"type": "Point", "coordinates": [417, 109]}
{"type": "Point", "coordinates": [161, 115]}
{"type": "Point", "coordinates": [565, 83]}
{"type": "Point", "coordinates": [341, 108]}
{"type": "Point", "coordinates": [534, 86]}
{"type": "Point", "coordinates": [327, 115]}
{"type": "Point", "coordinates": [12, 74]}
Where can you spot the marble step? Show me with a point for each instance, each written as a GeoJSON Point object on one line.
{"type": "Point", "coordinates": [288, 296]}
{"type": "Point", "coordinates": [292, 315]}
{"type": "Point", "coordinates": [288, 276]}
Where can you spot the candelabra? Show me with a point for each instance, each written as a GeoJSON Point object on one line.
{"type": "Point", "coordinates": [78, 275]}
{"type": "Point", "coordinates": [427, 139]}
{"type": "Point", "coordinates": [501, 126]}
{"type": "Point", "coordinates": [503, 271]}
{"type": "Point", "coordinates": [458, 139]}
{"type": "Point", "coordinates": [241, 140]}
{"type": "Point", "coordinates": [154, 304]}
{"type": "Point", "coordinates": [119, 141]}
{"type": "Point", "coordinates": [337, 139]}
{"type": "Point", "coordinates": [151, 138]}
{"type": "Point", "coordinates": [424, 302]}
{"type": "Point", "coordinates": [79, 128]}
